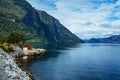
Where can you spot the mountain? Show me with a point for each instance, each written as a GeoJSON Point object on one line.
{"type": "Point", "coordinates": [37, 25]}
{"type": "Point", "coordinates": [93, 40]}
{"type": "Point", "coordinates": [55, 29]}
{"type": "Point", "coordinates": [111, 39]}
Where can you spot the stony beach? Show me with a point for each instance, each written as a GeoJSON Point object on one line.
{"type": "Point", "coordinates": [9, 70]}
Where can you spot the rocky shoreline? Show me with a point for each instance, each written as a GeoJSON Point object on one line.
{"type": "Point", "coordinates": [9, 69]}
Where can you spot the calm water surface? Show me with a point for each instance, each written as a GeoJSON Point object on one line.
{"type": "Point", "coordinates": [78, 62]}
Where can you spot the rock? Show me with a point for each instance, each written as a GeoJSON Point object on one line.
{"type": "Point", "coordinates": [13, 75]}
{"type": "Point", "coordinates": [25, 57]}
{"type": "Point", "coordinates": [41, 50]}
{"type": "Point", "coordinates": [9, 69]}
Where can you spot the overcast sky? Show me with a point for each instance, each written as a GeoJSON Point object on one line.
{"type": "Point", "coordinates": [86, 18]}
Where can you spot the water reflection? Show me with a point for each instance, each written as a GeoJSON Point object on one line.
{"type": "Point", "coordinates": [78, 62]}
{"type": "Point", "coordinates": [54, 50]}
{"type": "Point", "coordinates": [54, 46]}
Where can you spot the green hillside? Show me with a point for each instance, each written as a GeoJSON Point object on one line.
{"type": "Point", "coordinates": [38, 26]}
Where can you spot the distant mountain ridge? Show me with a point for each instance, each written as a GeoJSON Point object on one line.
{"type": "Point", "coordinates": [111, 39]}
{"type": "Point", "coordinates": [37, 25]}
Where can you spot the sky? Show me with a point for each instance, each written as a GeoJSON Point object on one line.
{"type": "Point", "coordinates": [85, 18]}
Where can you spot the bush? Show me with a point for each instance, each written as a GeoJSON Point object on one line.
{"type": "Point", "coordinates": [3, 39]}
{"type": "Point", "coordinates": [13, 37]}
{"type": "Point", "coordinates": [7, 47]}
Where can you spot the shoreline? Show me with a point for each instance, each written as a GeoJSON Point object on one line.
{"type": "Point", "coordinates": [21, 65]}
{"type": "Point", "coordinates": [12, 63]}
{"type": "Point", "coordinates": [10, 68]}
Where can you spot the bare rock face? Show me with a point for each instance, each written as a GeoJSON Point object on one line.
{"type": "Point", "coordinates": [9, 68]}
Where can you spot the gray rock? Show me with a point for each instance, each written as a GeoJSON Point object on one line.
{"type": "Point", "coordinates": [9, 69]}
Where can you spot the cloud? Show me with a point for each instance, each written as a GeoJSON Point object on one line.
{"type": "Point", "coordinates": [101, 17]}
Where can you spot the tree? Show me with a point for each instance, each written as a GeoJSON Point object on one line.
{"type": "Point", "coordinates": [15, 37]}
{"type": "Point", "coordinates": [3, 39]}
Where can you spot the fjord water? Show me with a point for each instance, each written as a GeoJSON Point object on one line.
{"type": "Point", "coordinates": [77, 62]}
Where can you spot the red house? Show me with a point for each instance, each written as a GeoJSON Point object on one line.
{"type": "Point", "coordinates": [26, 48]}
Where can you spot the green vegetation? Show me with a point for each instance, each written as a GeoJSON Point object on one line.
{"type": "Point", "coordinates": [19, 16]}
{"type": "Point", "coordinates": [7, 25]}
{"type": "Point", "coordinates": [13, 37]}
{"type": "Point", "coordinates": [8, 9]}
{"type": "Point", "coordinates": [37, 26]}
{"type": "Point", "coordinates": [7, 47]}
{"type": "Point", "coordinates": [6, 42]}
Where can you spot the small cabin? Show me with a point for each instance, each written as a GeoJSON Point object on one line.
{"type": "Point", "coordinates": [26, 48]}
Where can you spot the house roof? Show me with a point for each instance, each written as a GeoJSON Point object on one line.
{"type": "Point", "coordinates": [28, 46]}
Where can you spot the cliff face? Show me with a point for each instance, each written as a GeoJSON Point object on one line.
{"type": "Point", "coordinates": [19, 15]}
{"type": "Point", "coordinates": [57, 32]}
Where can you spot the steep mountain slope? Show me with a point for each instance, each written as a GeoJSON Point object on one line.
{"type": "Point", "coordinates": [19, 15]}
{"type": "Point", "coordinates": [56, 30]}
{"type": "Point", "coordinates": [111, 39]}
